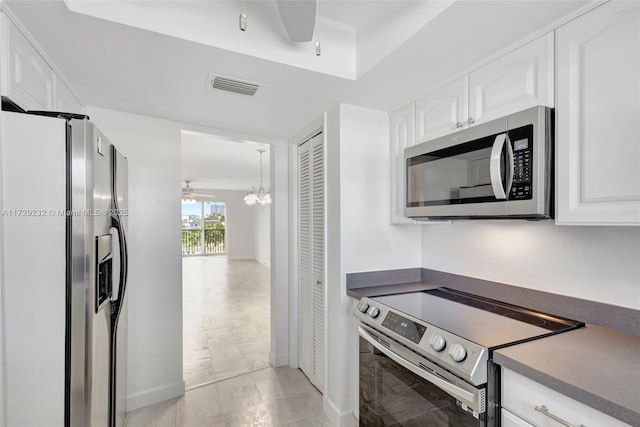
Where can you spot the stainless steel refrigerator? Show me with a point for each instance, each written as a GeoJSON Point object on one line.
{"type": "Point", "coordinates": [64, 272]}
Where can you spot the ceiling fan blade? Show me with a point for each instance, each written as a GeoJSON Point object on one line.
{"type": "Point", "coordinates": [299, 18]}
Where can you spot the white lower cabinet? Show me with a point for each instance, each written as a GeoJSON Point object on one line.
{"type": "Point", "coordinates": [521, 396]}
{"type": "Point", "coordinates": [511, 420]}
{"type": "Point", "coordinates": [597, 111]}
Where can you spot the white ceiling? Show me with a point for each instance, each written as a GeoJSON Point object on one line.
{"type": "Point", "coordinates": [125, 68]}
{"type": "Point", "coordinates": [152, 57]}
{"type": "Point", "coordinates": [213, 163]}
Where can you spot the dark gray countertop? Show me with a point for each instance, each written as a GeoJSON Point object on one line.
{"type": "Point", "coordinates": [596, 366]}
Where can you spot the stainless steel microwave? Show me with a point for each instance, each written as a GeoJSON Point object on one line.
{"type": "Point", "coordinates": [499, 169]}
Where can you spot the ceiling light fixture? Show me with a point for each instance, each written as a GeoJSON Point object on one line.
{"type": "Point", "coordinates": [187, 193]}
{"type": "Point", "coordinates": [261, 194]}
{"type": "Point", "coordinates": [243, 19]}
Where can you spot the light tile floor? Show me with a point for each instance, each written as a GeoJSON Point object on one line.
{"type": "Point", "coordinates": [226, 306]}
{"type": "Point", "coordinates": [226, 343]}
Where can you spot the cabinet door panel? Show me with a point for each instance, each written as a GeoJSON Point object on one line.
{"type": "Point", "coordinates": [64, 99]}
{"type": "Point", "coordinates": [513, 82]}
{"type": "Point", "coordinates": [438, 113]}
{"type": "Point", "coordinates": [598, 138]}
{"type": "Point", "coordinates": [29, 78]}
{"type": "Point", "coordinates": [402, 128]}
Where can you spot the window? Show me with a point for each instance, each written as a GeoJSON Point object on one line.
{"type": "Point", "coordinates": [203, 228]}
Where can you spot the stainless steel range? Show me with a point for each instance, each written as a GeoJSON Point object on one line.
{"type": "Point", "coordinates": [425, 357]}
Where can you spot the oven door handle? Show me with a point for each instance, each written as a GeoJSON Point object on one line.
{"type": "Point", "coordinates": [449, 388]}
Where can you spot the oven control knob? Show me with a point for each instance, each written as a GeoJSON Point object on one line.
{"type": "Point", "coordinates": [363, 307]}
{"type": "Point", "coordinates": [457, 352]}
{"type": "Point", "coordinates": [437, 342]}
{"type": "Point", "coordinates": [373, 312]}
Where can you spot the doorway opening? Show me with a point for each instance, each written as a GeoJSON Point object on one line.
{"type": "Point", "coordinates": [226, 248]}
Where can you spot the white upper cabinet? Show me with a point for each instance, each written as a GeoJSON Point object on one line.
{"type": "Point", "coordinates": [64, 100]}
{"type": "Point", "coordinates": [513, 82]}
{"type": "Point", "coordinates": [402, 128]}
{"type": "Point", "coordinates": [516, 81]}
{"type": "Point", "coordinates": [598, 117]}
{"type": "Point", "coordinates": [442, 111]}
{"type": "Point", "coordinates": [26, 77]}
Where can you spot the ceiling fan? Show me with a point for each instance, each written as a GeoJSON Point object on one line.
{"type": "Point", "coordinates": [190, 194]}
{"type": "Point", "coordinates": [299, 18]}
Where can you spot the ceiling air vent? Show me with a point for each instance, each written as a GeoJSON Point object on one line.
{"type": "Point", "coordinates": [232, 85]}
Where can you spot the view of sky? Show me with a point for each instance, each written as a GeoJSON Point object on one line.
{"type": "Point", "coordinates": [195, 209]}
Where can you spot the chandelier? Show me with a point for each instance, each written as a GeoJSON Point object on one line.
{"type": "Point", "coordinates": [261, 194]}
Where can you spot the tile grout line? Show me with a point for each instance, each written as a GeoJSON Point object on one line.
{"type": "Point", "coordinates": [193, 387]}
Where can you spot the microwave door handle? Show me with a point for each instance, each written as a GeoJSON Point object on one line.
{"type": "Point", "coordinates": [510, 165]}
{"type": "Point", "coordinates": [494, 166]}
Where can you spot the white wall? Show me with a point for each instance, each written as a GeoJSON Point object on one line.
{"type": "Point", "coordinates": [247, 227]}
{"type": "Point", "coordinates": [359, 236]}
{"type": "Point", "coordinates": [594, 263]}
{"type": "Point", "coordinates": [261, 235]}
{"type": "Point", "coordinates": [152, 147]}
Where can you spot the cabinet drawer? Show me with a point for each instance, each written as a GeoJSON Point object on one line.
{"type": "Point", "coordinates": [26, 78]}
{"type": "Point", "coordinates": [520, 395]}
{"type": "Point", "coordinates": [511, 420]}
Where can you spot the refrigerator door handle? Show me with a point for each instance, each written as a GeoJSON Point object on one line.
{"type": "Point", "coordinates": [116, 222]}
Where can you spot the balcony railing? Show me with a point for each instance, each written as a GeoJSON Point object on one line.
{"type": "Point", "coordinates": [213, 242]}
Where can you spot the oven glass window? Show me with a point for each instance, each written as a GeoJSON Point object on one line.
{"type": "Point", "coordinates": [391, 395]}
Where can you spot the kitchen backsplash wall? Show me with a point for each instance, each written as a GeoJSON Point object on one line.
{"type": "Point", "coordinates": [594, 263]}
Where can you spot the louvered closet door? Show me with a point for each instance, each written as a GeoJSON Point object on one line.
{"type": "Point", "coordinates": [311, 259]}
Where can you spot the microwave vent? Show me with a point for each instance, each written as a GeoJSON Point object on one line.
{"type": "Point", "coordinates": [230, 84]}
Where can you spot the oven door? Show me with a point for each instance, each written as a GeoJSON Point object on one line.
{"type": "Point", "coordinates": [398, 391]}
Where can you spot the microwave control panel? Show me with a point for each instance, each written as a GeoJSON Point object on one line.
{"type": "Point", "coordinates": [522, 187]}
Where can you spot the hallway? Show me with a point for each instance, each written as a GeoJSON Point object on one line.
{"type": "Point", "coordinates": [227, 375]}
{"type": "Point", "coordinates": [226, 306]}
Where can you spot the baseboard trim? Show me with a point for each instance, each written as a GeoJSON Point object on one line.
{"type": "Point", "coordinates": [154, 395]}
{"type": "Point", "coordinates": [338, 418]}
{"type": "Point", "coordinates": [278, 359]}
